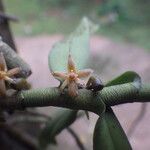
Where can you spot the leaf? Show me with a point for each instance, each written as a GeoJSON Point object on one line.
{"type": "Point", "coordinates": [126, 77]}
{"type": "Point", "coordinates": [55, 125]}
{"type": "Point", "coordinates": [108, 133]}
{"type": "Point", "coordinates": [13, 60]}
{"type": "Point", "coordinates": [77, 42]}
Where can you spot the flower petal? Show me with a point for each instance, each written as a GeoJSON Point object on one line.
{"type": "Point", "coordinates": [3, 66]}
{"type": "Point", "coordinates": [60, 75]}
{"type": "Point", "coordinates": [64, 84]}
{"type": "Point", "coordinates": [72, 89]}
{"type": "Point", "coordinates": [71, 64]}
{"type": "Point", "coordinates": [13, 71]}
{"type": "Point", "coordinates": [10, 80]}
{"type": "Point", "coordinates": [84, 73]}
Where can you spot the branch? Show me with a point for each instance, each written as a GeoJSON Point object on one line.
{"type": "Point", "coordinates": [86, 100]}
{"type": "Point", "coordinates": [8, 17]}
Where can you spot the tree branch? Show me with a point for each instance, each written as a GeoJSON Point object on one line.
{"type": "Point", "coordinates": [86, 100]}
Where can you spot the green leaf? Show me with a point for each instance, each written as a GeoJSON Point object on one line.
{"type": "Point", "coordinates": [108, 133]}
{"type": "Point", "coordinates": [126, 77]}
{"type": "Point", "coordinates": [13, 60]}
{"type": "Point", "coordinates": [77, 42]}
{"type": "Point", "coordinates": [55, 125]}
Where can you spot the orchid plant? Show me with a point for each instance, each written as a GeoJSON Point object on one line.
{"type": "Point", "coordinates": [79, 89]}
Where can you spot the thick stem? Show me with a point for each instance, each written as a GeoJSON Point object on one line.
{"type": "Point", "coordinates": [86, 100]}
{"type": "Point", "coordinates": [144, 94]}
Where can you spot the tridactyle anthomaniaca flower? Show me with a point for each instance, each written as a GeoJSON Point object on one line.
{"type": "Point", "coordinates": [5, 75]}
{"type": "Point", "coordinates": [73, 78]}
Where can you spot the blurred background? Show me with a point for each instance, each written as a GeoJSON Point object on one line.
{"type": "Point", "coordinates": [121, 44]}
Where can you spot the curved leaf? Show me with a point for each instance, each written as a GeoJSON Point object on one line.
{"type": "Point", "coordinates": [126, 77]}
{"type": "Point", "coordinates": [108, 133]}
{"type": "Point", "coordinates": [77, 43]}
{"type": "Point", "coordinates": [13, 60]}
{"type": "Point", "coordinates": [55, 125]}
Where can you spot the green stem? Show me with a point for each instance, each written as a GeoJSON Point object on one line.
{"type": "Point", "coordinates": [86, 100]}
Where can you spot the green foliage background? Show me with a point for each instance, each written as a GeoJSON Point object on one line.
{"type": "Point", "coordinates": [61, 16]}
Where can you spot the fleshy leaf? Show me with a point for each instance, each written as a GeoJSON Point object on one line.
{"type": "Point", "coordinates": [13, 60]}
{"type": "Point", "coordinates": [126, 77]}
{"type": "Point", "coordinates": [108, 133]}
{"type": "Point", "coordinates": [77, 43]}
{"type": "Point", "coordinates": [55, 125]}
